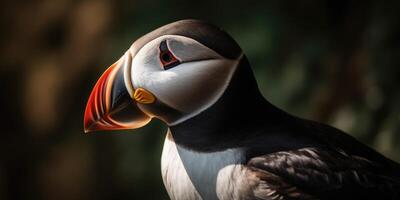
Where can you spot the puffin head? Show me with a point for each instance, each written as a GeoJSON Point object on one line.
{"type": "Point", "coordinates": [172, 73]}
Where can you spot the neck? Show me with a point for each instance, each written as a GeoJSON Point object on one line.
{"type": "Point", "coordinates": [236, 115]}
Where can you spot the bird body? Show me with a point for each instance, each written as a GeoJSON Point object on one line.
{"type": "Point", "coordinates": [253, 170]}
{"type": "Point", "coordinates": [225, 140]}
{"type": "Point", "coordinates": [275, 156]}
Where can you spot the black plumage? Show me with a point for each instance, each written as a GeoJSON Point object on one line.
{"type": "Point", "coordinates": [291, 158]}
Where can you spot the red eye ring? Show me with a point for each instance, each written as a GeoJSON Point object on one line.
{"type": "Point", "coordinates": [167, 59]}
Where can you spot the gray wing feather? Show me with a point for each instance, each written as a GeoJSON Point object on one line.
{"type": "Point", "coordinates": [312, 173]}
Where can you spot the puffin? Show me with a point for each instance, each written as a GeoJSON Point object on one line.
{"type": "Point", "coordinates": [225, 140]}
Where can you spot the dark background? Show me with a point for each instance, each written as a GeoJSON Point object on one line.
{"type": "Point", "coordinates": [331, 61]}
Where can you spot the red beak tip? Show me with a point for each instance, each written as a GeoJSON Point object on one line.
{"type": "Point", "coordinates": [90, 127]}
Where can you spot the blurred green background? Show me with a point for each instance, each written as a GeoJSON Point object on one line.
{"type": "Point", "coordinates": [333, 61]}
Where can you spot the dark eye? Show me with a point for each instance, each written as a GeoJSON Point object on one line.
{"type": "Point", "coordinates": [167, 59]}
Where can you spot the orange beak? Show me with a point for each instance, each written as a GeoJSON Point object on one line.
{"type": "Point", "coordinates": [110, 106]}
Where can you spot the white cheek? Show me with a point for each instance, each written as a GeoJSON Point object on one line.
{"type": "Point", "coordinates": [195, 86]}
{"type": "Point", "coordinates": [145, 70]}
{"type": "Point", "coordinates": [151, 79]}
{"type": "Point", "coordinates": [189, 87]}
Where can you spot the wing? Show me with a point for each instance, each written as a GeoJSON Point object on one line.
{"type": "Point", "coordinates": [314, 173]}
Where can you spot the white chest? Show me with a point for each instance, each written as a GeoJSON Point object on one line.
{"type": "Point", "coordinates": [193, 175]}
